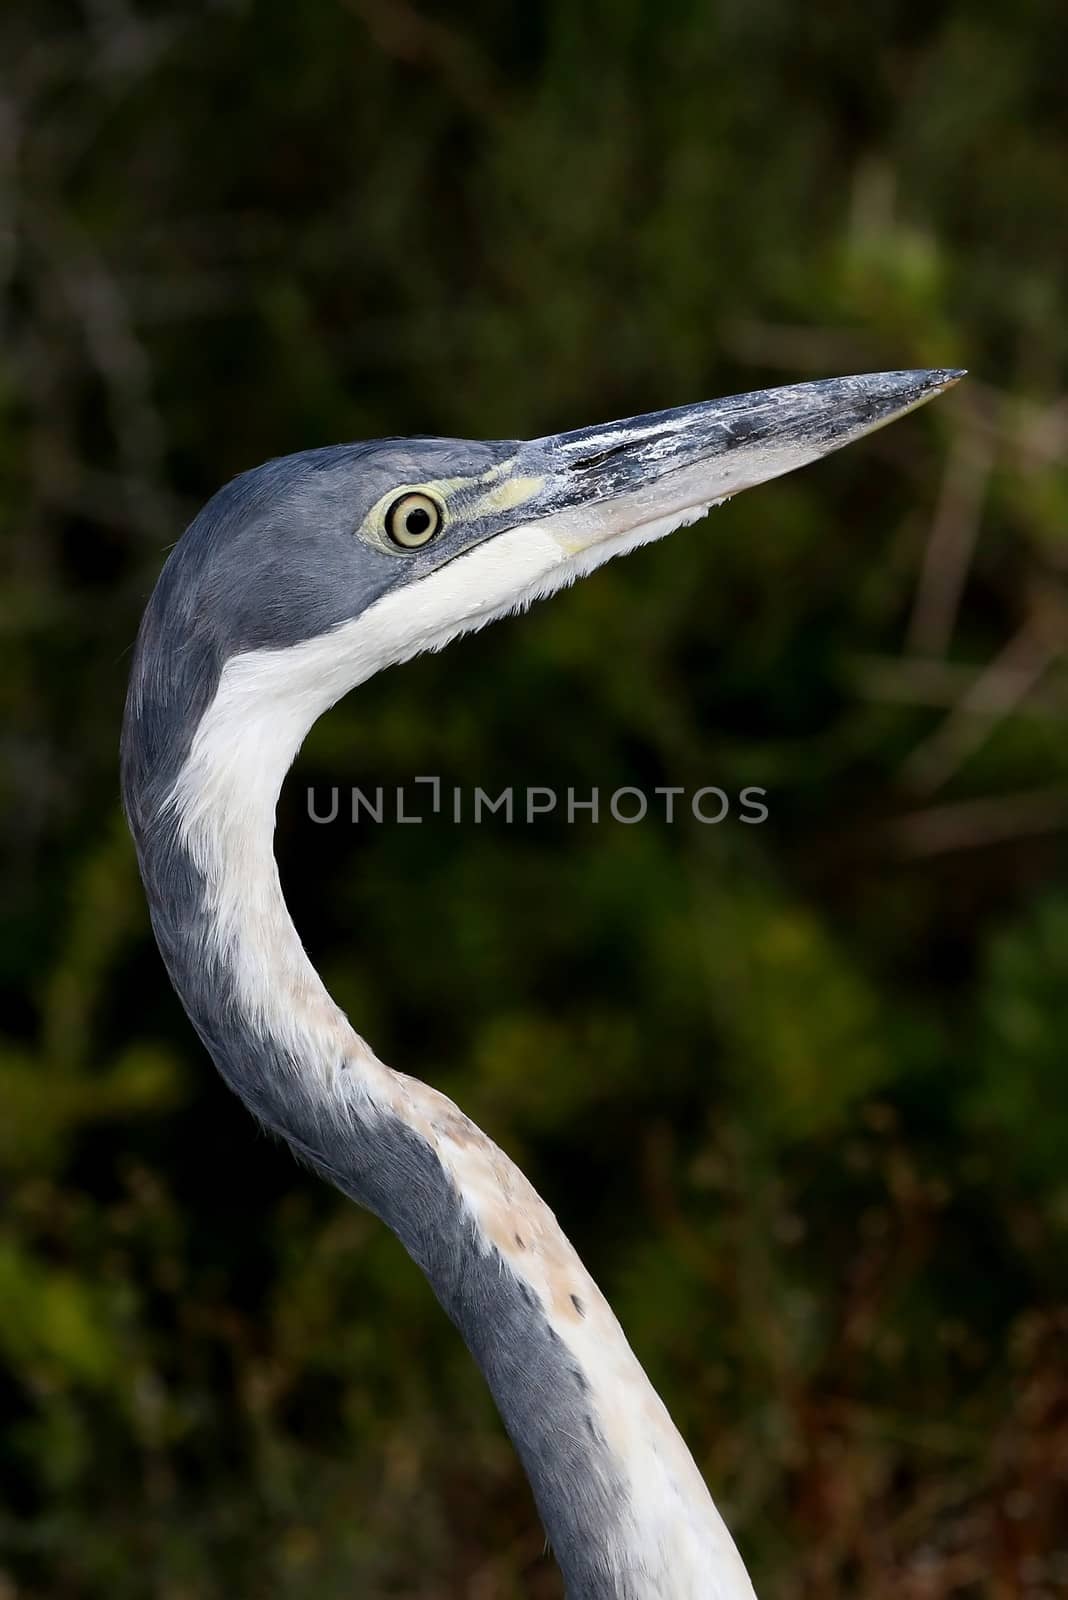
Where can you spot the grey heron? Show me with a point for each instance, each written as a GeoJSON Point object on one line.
{"type": "Point", "coordinates": [298, 581]}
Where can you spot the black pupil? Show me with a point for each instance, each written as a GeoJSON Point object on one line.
{"type": "Point", "coordinates": [417, 521]}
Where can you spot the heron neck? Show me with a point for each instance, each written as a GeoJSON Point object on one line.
{"type": "Point", "coordinates": [624, 1507]}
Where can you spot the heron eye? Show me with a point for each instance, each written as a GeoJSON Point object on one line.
{"type": "Point", "coordinates": [413, 520]}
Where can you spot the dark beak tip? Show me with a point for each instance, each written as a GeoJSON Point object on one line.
{"type": "Point", "coordinates": [899, 391]}
{"type": "Point", "coordinates": [945, 377]}
{"type": "Point", "coordinates": [932, 381]}
{"type": "Point", "coordinates": [925, 380]}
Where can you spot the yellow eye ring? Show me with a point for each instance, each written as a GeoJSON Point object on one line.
{"type": "Point", "coordinates": [413, 520]}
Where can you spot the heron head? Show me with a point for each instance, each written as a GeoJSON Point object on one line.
{"type": "Point", "coordinates": [419, 539]}
{"type": "Point", "coordinates": [303, 577]}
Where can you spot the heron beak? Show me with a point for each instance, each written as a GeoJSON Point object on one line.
{"type": "Point", "coordinates": [626, 482]}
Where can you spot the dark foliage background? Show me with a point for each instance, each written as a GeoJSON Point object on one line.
{"type": "Point", "coordinates": [797, 1091]}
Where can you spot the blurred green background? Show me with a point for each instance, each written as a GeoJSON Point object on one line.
{"type": "Point", "coordinates": [796, 1091]}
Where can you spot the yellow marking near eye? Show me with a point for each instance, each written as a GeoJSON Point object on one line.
{"type": "Point", "coordinates": [511, 493]}
{"type": "Point", "coordinates": [492, 474]}
{"type": "Point", "coordinates": [447, 486]}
